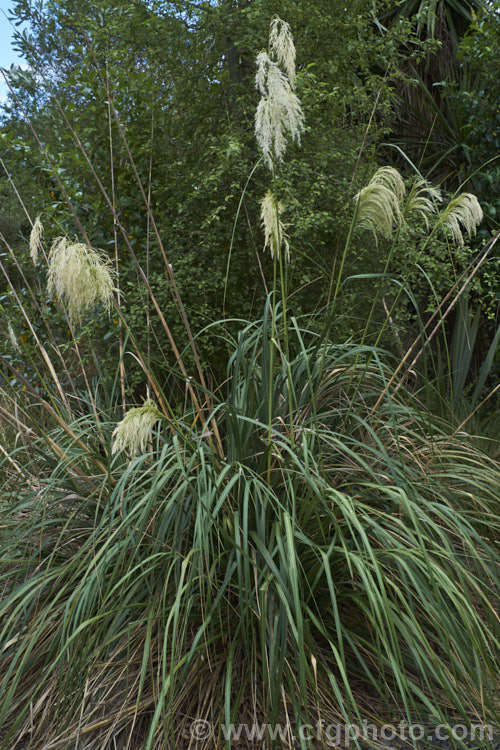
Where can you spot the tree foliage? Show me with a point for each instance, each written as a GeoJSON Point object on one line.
{"type": "Point", "coordinates": [176, 80]}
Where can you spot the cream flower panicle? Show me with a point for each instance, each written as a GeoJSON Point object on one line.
{"type": "Point", "coordinates": [263, 63]}
{"type": "Point", "coordinates": [462, 213]}
{"type": "Point", "coordinates": [279, 112]}
{"type": "Point", "coordinates": [422, 199]}
{"type": "Point", "coordinates": [36, 239]}
{"type": "Point", "coordinates": [80, 276]}
{"type": "Point", "coordinates": [132, 433]}
{"type": "Point", "coordinates": [390, 178]}
{"type": "Point", "coordinates": [275, 236]}
{"type": "Point", "coordinates": [278, 115]}
{"type": "Point", "coordinates": [13, 337]}
{"type": "Point", "coordinates": [282, 46]}
{"type": "Point", "coordinates": [378, 204]}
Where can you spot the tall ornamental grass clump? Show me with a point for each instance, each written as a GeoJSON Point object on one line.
{"type": "Point", "coordinates": [301, 542]}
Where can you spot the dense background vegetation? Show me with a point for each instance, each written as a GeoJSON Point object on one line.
{"type": "Point", "coordinates": [180, 77]}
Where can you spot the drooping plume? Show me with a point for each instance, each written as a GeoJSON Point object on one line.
{"type": "Point", "coordinates": [132, 433]}
{"type": "Point", "coordinates": [13, 337]}
{"type": "Point", "coordinates": [36, 239]}
{"type": "Point", "coordinates": [378, 204]}
{"type": "Point", "coordinates": [275, 236]}
{"type": "Point", "coordinates": [80, 276]}
{"type": "Point", "coordinates": [462, 213]}
{"type": "Point", "coordinates": [422, 199]}
{"type": "Point", "coordinates": [279, 112]}
{"type": "Point", "coordinates": [282, 46]}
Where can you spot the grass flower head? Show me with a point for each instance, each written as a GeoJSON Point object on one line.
{"type": "Point", "coordinates": [378, 204]}
{"type": "Point", "coordinates": [275, 236]}
{"type": "Point", "coordinates": [282, 46]}
{"type": "Point", "coordinates": [422, 199]}
{"type": "Point", "coordinates": [132, 433]}
{"type": "Point", "coordinates": [279, 112]}
{"type": "Point", "coordinates": [36, 239]}
{"type": "Point", "coordinates": [79, 275]}
{"type": "Point", "coordinates": [462, 213]}
{"type": "Point", "coordinates": [391, 179]}
{"type": "Point", "coordinates": [12, 337]}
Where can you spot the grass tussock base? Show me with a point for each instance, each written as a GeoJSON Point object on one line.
{"type": "Point", "coordinates": [335, 561]}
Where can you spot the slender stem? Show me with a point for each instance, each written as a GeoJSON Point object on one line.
{"type": "Point", "coordinates": [284, 303]}
{"type": "Point", "coordinates": [287, 348]}
{"type": "Point", "coordinates": [271, 367]}
{"type": "Point", "coordinates": [332, 303]}
{"type": "Point", "coordinates": [148, 222]}
{"type": "Point", "coordinates": [115, 239]}
{"type": "Point", "coordinates": [478, 264]}
{"type": "Point", "coordinates": [360, 152]}
{"type": "Point", "coordinates": [469, 417]}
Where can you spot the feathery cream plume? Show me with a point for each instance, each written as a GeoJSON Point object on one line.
{"type": "Point", "coordinates": [13, 337]}
{"type": "Point", "coordinates": [391, 179]}
{"type": "Point", "coordinates": [263, 63]}
{"type": "Point", "coordinates": [422, 199]}
{"type": "Point", "coordinates": [279, 111]}
{"type": "Point", "coordinates": [274, 230]}
{"type": "Point", "coordinates": [132, 433]}
{"type": "Point", "coordinates": [282, 46]}
{"type": "Point", "coordinates": [36, 239]}
{"type": "Point", "coordinates": [79, 275]}
{"type": "Point", "coordinates": [462, 211]}
{"type": "Point", "coordinates": [378, 204]}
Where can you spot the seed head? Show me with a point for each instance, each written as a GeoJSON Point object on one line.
{"type": "Point", "coordinates": [391, 179]}
{"type": "Point", "coordinates": [132, 433]}
{"type": "Point", "coordinates": [36, 239]}
{"type": "Point", "coordinates": [378, 206]}
{"type": "Point", "coordinates": [462, 211]}
{"type": "Point", "coordinates": [79, 275]}
{"type": "Point", "coordinates": [422, 199]}
{"type": "Point", "coordinates": [13, 337]}
{"type": "Point", "coordinates": [274, 230]}
{"type": "Point", "coordinates": [282, 46]}
{"type": "Point", "coordinates": [278, 112]}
